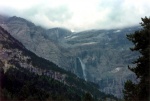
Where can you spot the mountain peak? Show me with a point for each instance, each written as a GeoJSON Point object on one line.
{"type": "Point", "coordinates": [15, 19]}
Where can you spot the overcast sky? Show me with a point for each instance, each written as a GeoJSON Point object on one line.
{"type": "Point", "coordinates": [78, 15]}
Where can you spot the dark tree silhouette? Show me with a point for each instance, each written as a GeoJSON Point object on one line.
{"type": "Point", "coordinates": [87, 97]}
{"type": "Point", "coordinates": [141, 41]}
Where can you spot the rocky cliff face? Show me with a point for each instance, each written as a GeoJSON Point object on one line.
{"type": "Point", "coordinates": [14, 55]}
{"type": "Point", "coordinates": [101, 56]}
{"type": "Point", "coordinates": [33, 37]}
{"type": "Point", "coordinates": [105, 55]}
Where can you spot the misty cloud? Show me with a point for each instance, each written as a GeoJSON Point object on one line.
{"type": "Point", "coordinates": [78, 14]}
{"type": "Point", "coordinates": [60, 14]}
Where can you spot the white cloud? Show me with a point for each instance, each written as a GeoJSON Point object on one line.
{"type": "Point", "coordinates": [78, 14]}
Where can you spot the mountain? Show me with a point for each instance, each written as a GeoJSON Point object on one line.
{"type": "Point", "coordinates": [100, 56]}
{"type": "Point", "coordinates": [25, 76]}
{"type": "Point", "coordinates": [104, 55]}
{"type": "Point", "coordinates": [28, 33]}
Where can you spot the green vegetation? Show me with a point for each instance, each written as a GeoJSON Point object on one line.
{"type": "Point", "coordinates": [141, 39]}
{"type": "Point", "coordinates": [20, 84]}
{"type": "Point", "coordinates": [87, 97]}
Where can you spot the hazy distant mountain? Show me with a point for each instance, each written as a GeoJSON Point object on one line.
{"type": "Point", "coordinates": [105, 55]}
{"type": "Point", "coordinates": [101, 56]}
{"type": "Point", "coordinates": [25, 76]}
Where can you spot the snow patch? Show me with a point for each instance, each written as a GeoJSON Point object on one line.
{"type": "Point", "coordinates": [116, 70]}
{"type": "Point", "coordinates": [70, 37]}
{"type": "Point", "coordinates": [89, 43]}
{"type": "Point", "coordinates": [117, 31]}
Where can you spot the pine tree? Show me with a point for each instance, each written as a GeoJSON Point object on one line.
{"type": "Point", "coordinates": [141, 41]}
{"type": "Point", "coordinates": [87, 97]}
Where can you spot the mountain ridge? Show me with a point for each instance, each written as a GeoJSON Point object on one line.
{"type": "Point", "coordinates": [15, 60]}
{"type": "Point", "coordinates": [100, 51]}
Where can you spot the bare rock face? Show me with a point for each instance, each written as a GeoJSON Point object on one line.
{"type": "Point", "coordinates": [100, 56]}
{"type": "Point", "coordinates": [34, 38]}
{"type": "Point", "coordinates": [105, 55]}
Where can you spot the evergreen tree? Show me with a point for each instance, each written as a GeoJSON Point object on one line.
{"type": "Point", "coordinates": [141, 41]}
{"type": "Point", "coordinates": [87, 97]}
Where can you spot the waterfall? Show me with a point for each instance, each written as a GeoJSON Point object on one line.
{"type": "Point", "coordinates": [83, 69]}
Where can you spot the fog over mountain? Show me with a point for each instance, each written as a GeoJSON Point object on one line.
{"type": "Point", "coordinates": [78, 15]}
